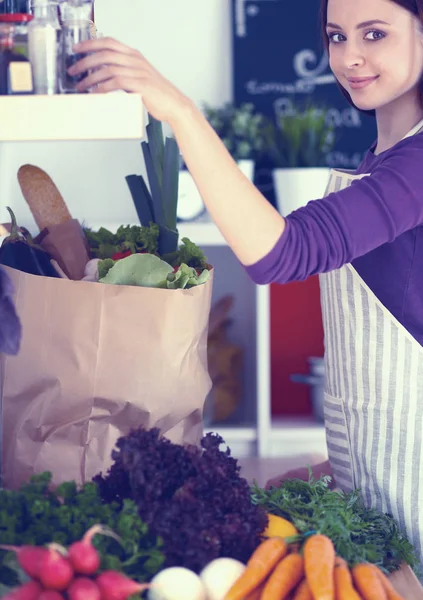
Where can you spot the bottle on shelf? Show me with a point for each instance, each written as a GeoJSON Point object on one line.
{"type": "Point", "coordinates": [44, 35]}
{"type": "Point", "coordinates": [15, 68]}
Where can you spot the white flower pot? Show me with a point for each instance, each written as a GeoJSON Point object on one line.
{"type": "Point", "coordinates": [296, 187]}
{"type": "Point", "coordinates": [190, 203]}
{"type": "Point", "coordinates": [247, 167]}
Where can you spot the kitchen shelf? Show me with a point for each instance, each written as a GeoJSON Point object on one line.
{"type": "Point", "coordinates": [287, 437]}
{"type": "Point", "coordinates": [241, 440]}
{"type": "Point", "coordinates": [233, 433]}
{"type": "Point", "coordinates": [71, 117]}
{"type": "Point", "coordinates": [291, 436]}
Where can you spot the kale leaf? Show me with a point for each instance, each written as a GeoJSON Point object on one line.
{"type": "Point", "coordinates": [192, 497]}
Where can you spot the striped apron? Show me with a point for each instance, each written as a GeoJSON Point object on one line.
{"type": "Point", "coordinates": [374, 394]}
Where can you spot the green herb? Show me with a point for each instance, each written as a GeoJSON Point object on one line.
{"type": "Point", "coordinates": [105, 244]}
{"type": "Point", "coordinates": [192, 255]}
{"type": "Point", "coordinates": [104, 267]}
{"type": "Point", "coordinates": [36, 515]}
{"type": "Point", "coordinates": [359, 534]}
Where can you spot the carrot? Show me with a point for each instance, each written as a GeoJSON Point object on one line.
{"type": "Point", "coordinates": [303, 591]}
{"type": "Point", "coordinates": [368, 583]}
{"type": "Point", "coordinates": [287, 574]}
{"type": "Point", "coordinates": [262, 562]}
{"type": "Point", "coordinates": [344, 587]}
{"type": "Point", "coordinates": [390, 592]}
{"type": "Point", "coordinates": [319, 563]}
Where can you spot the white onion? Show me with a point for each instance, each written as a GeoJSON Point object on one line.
{"type": "Point", "coordinates": [176, 583]}
{"type": "Point", "coordinates": [219, 576]}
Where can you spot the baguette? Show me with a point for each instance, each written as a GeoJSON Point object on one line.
{"type": "Point", "coordinates": [44, 199]}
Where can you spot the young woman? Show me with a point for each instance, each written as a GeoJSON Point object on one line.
{"type": "Point", "coordinates": [364, 238]}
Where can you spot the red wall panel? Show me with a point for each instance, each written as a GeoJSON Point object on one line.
{"type": "Point", "coordinates": [296, 334]}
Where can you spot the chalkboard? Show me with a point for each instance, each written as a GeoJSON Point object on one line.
{"type": "Point", "coordinates": [280, 64]}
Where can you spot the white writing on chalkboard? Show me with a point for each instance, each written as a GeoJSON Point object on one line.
{"type": "Point", "coordinates": [304, 58]}
{"type": "Point", "coordinates": [309, 76]}
{"type": "Point", "coordinates": [346, 117]}
{"type": "Point", "coordinates": [241, 15]}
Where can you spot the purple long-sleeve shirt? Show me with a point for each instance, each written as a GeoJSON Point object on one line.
{"type": "Point", "coordinates": [375, 224]}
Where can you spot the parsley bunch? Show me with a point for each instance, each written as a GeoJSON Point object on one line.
{"type": "Point", "coordinates": [359, 534]}
{"type": "Point", "coordinates": [105, 244]}
{"type": "Point", "coordinates": [192, 497]}
{"type": "Point", "coordinates": [37, 515]}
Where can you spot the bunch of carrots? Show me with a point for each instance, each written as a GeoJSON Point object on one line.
{"type": "Point", "coordinates": [278, 570]}
{"type": "Point", "coordinates": [69, 574]}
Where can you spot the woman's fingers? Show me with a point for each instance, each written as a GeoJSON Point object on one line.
{"type": "Point", "coordinates": [119, 74]}
{"type": "Point", "coordinates": [129, 84]}
{"type": "Point", "coordinates": [106, 57]}
{"type": "Point", "coordinates": [106, 43]}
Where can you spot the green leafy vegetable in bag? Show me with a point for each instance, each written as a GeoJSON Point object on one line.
{"type": "Point", "coordinates": [144, 270]}
{"type": "Point", "coordinates": [105, 244]}
{"type": "Point", "coordinates": [186, 277]}
{"type": "Point", "coordinates": [104, 267]}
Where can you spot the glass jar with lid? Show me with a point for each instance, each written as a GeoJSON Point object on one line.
{"type": "Point", "coordinates": [15, 68]}
{"type": "Point", "coordinates": [76, 27]}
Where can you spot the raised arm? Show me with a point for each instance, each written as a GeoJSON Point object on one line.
{"type": "Point", "coordinates": [320, 237]}
{"type": "Point", "coordinates": [250, 225]}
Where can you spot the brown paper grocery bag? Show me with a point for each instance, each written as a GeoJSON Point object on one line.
{"type": "Point", "coordinates": [407, 584]}
{"type": "Point", "coordinates": [97, 360]}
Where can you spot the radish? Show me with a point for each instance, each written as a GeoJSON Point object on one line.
{"type": "Point", "coordinates": [28, 591]}
{"type": "Point", "coordinates": [50, 595]}
{"type": "Point", "coordinates": [29, 558]}
{"type": "Point", "coordinates": [116, 586]}
{"type": "Point", "coordinates": [82, 555]}
{"type": "Point", "coordinates": [56, 572]}
{"type": "Point", "coordinates": [83, 588]}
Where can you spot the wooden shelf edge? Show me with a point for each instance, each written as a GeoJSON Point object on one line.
{"type": "Point", "coordinates": [71, 117]}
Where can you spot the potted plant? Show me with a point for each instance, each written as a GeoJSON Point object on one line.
{"type": "Point", "coordinates": [299, 144]}
{"type": "Point", "coordinates": [244, 132]}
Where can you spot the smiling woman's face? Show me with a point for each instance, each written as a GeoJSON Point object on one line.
{"type": "Point", "coordinates": [375, 50]}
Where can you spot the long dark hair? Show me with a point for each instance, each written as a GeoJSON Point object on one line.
{"type": "Point", "coordinates": [413, 6]}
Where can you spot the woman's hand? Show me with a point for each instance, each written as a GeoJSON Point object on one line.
{"type": "Point", "coordinates": [115, 66]}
